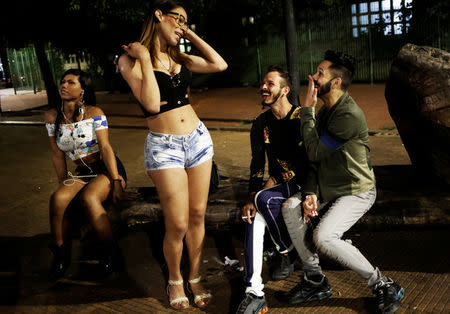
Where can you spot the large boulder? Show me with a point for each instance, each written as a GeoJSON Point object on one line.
{"type": "Point", "coordinates": [418, 97]}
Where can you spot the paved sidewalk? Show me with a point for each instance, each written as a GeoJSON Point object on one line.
{"type": "Point", "coordinates": [24, 100]}
{"type": "Point", "coordinates": [414, 258]}
{"type": "Point", "coordinates": [236, 106]}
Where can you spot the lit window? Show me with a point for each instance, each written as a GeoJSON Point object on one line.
{"type": "Point", "coordinates": [363, 8]}
{"type": "Point", "coordinates": [388, 30]}
{"type": "Point", "coordinates": [397, 4]}
{"type": "Point", "coordinates": [372, 12]}
{"type": "Point", "coordinates": [185, 45]}
{"type": "Point", "coordinates": [364, 19]}
{"type": "Point", "coordinates": [397, 29]}
{"type": "Point", "coordinates": [374, 19]}
{"type": "Point", "coordinates": [374, 7]}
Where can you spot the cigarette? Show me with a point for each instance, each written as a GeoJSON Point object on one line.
{"type": "Point", "coordinates": [244, 217]}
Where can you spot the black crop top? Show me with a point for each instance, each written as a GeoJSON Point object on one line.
{"type": "Point", "coordinates": [172, 89]}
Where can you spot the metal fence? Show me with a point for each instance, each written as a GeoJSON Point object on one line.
{"type": "Point", "coordinates": [318, 31]}
{"type": "Point", "coordinates": [25, 70]}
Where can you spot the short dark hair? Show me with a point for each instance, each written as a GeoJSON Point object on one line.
{"type": "Point", "coordinates": [342, 65]}
{"type": "Point", "coordinates": [286, 78]}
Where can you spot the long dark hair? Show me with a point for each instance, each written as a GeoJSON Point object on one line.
{"type": "Point", "coordinates": [148, 34]}
{"type": "Point", "coordinates": [88, 95]}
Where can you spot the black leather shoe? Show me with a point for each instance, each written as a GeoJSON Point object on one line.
{"type": "Point", "coordinates": [110, 259]}
{"type": "Point", "coordinates": [284, 269]}
{"type": "Point", "coordinates": [61, 260]}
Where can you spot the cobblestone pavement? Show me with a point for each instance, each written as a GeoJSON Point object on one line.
{"type": "Point", "coordinates": [412, 257]}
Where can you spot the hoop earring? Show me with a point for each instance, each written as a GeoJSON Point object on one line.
{"type": "Point", "coordinates": [81, 103]}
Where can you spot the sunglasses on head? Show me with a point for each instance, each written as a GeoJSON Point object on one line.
{"type": "Point", "coordinates": [180, 19]}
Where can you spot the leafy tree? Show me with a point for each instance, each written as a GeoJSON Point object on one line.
{"type": "Point", "coordinates": [74, 26]}
{"type": "Point", "coordinates": [34, 22]}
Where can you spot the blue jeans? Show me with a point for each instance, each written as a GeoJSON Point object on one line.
{"type": "Point", "coordinates": [165, 151]}
{"type": "Point", "coordinates": [342, 214]}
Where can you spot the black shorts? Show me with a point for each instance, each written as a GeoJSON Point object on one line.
{"type": "Point", "coordinates": [99, 167]}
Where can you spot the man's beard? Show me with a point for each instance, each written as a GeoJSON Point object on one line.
{"type": "Point", "coordinates": [264, 104]}
{"type": "Point", "coordinates": [324, 89]}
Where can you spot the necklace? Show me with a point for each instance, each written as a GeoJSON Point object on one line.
{"type": "Point", "coordinates": [81, 109]}
{"type": "Point", "coordinates": [164, 66]}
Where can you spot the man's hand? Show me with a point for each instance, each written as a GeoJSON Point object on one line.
{"type": "Point", "coordinates": [310, 207]}
{"type": "Point", "coordinates": [249, 211]}
{"type": "Point", "coordinates": [311, 95]}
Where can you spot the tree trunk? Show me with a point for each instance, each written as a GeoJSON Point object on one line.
{"type": "Point", "coordinates": [50, 86]}
{"type": "Point", "coordinates": [418, 97]}
{"type": "Point", "coordinates": [291, 51]}
{"type": "Point", "coordinates": [77, 58]}
{"type": "Point", "coordinates": [5, 62]}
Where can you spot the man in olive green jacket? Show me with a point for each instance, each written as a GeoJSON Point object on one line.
{"type": "Point", "coordinates": [340, 190]}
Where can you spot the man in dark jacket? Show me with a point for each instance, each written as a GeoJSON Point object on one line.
{"type": "Point", "coordinates": [340, 190]}
{"type": "Point", "coordinates": [275, 135]}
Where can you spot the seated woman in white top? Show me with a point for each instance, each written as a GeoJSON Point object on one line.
{"type": "Point", "coordinates": [78, 129]}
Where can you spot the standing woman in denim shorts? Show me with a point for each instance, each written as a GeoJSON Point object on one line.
{"type": "Point", "coordinates": [178, 149]}
{"type": "Point", "coordinates": [78, 129]}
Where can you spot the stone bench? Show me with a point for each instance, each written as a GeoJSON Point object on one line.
{"type": "Point", "coordinates": [402, 201]}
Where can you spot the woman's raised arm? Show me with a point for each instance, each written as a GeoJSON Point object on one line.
{"type": "Point", "coordinates": [211, 61]}
{"type": "Point", "coordinates": [137, 69]}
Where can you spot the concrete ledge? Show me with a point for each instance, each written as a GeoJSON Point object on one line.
{"type": "Point", "coordinates": [403, 200]}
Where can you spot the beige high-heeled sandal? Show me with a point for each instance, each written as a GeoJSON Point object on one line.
{"type": "Point", "coordinates": [205, 297]}
{"type": "Point", "coordinates": [177, 301]}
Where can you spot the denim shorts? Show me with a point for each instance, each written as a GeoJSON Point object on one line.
{"type": "Point", "coordinates": [165, 151]}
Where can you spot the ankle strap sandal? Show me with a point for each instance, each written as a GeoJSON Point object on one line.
{"type": "Point", "coordinates": [177, 301]}
{"type": "Point", "coordinates": [204, 297]}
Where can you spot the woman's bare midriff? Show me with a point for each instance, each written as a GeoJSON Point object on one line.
{"type": "Point", "coordinates": [88, 159]}
{"type": "Point", "coordinates": [178, 121]}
